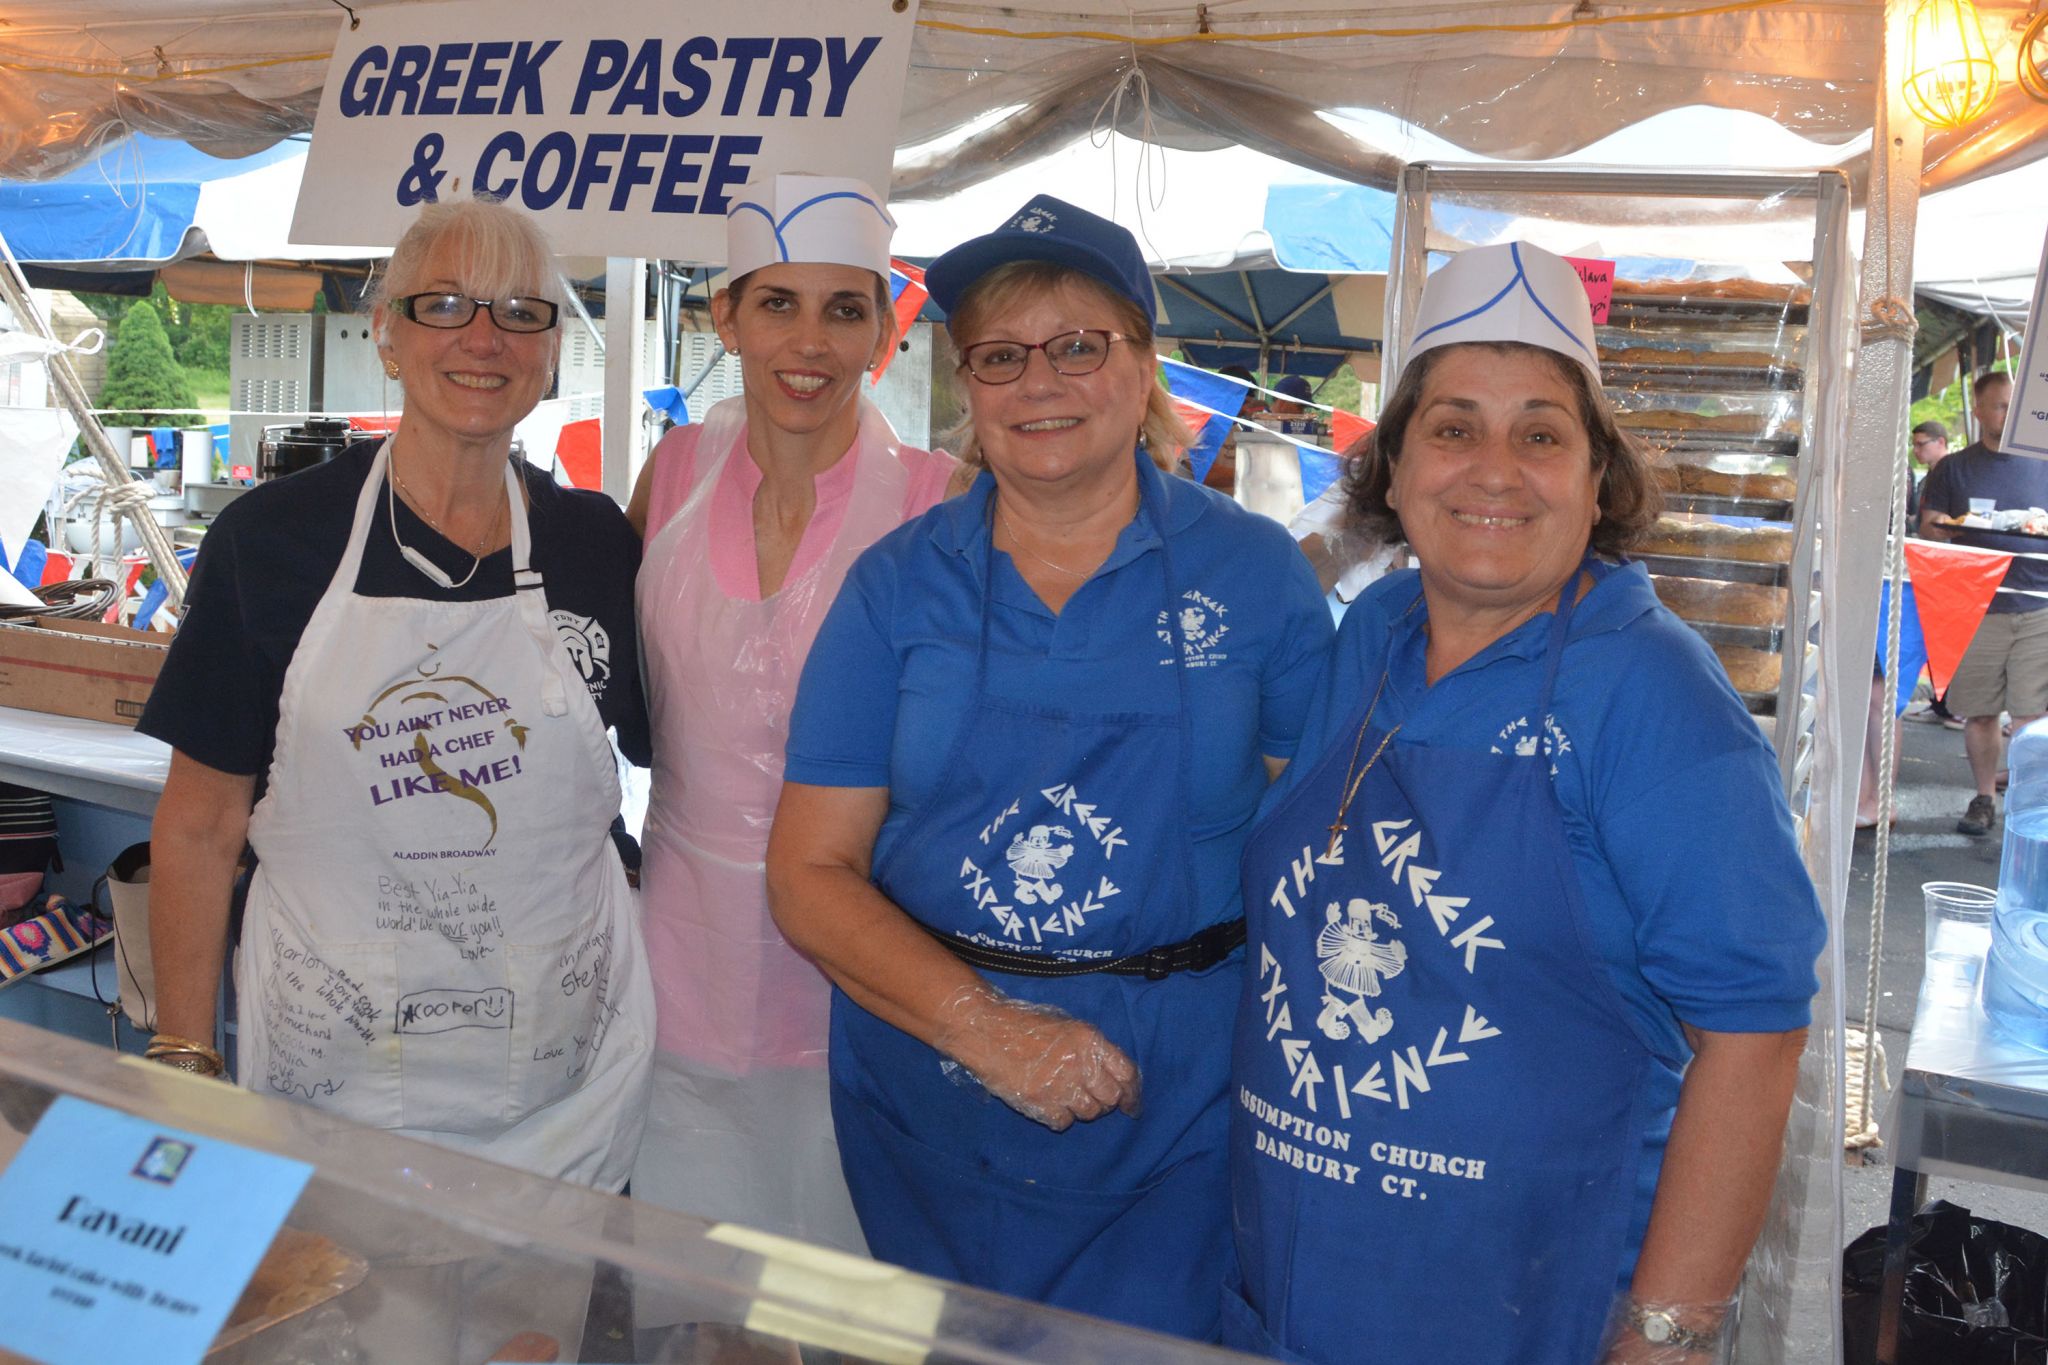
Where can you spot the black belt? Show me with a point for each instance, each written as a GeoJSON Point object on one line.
{"type": "Point", "coordinates": [1202, 951]}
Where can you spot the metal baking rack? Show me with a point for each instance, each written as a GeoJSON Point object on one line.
{"type": "Point", "coordinates": [1804, 331]}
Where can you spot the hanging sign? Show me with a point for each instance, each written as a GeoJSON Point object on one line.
{"type": "Point", "coordinates": [2026, 421]}
{"type": "Point", "coordinates": [625, 128]}
{"type": "Point", "coordinates": [124, 1240]}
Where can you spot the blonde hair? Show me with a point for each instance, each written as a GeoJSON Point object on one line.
{"type": "Point", "coordinates": [1013, 285]}
{"type": "Point", "coordinates": [504, 253]}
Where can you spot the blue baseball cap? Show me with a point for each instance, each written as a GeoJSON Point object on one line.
{"type": "Point", "coordinates": [1049, 229]}
{"type": "Point", "coordinates": [1295, 387]}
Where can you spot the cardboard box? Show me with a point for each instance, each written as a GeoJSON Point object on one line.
{"type": "Point", "coordinates": [79, 668]}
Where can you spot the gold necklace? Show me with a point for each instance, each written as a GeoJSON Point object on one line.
{"type": "Point", "coordinates": [412, 500]}
{"type": "Point", "coordinates": [1354, 776]}
{"type": "Point", "coordinates": [1019, 542]}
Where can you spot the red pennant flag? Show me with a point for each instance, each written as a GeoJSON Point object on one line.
{"type": "Point", "coordinates": [1346, 427]}
{"type": "Point", "coordinates": [580, 448]}
{"type": "Point", "coordinates": [907, 292]}
{"type": "Point", "coordinates": [1952, 587]}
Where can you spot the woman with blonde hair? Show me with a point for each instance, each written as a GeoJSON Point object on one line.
{"type": "Point", "coordinates": [394, 681]}
{"type": "Point", "coordinates": [1026, 746]}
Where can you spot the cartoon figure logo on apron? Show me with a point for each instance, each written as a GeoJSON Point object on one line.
{"type": "Point", "coordinates": [1054, 873]}
{"type": "Point", "coordinates": [1429, 1055]}
{"type": "Point", "coordinates": [439, 935]}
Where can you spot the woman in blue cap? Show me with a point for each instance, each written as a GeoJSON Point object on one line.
{"type": "Point", "coordinates": [1027, 744]}
{"type": "Point", "coordinates": [1533, 942]}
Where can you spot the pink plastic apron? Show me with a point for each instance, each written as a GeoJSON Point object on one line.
{"type": "Point", "coordinates": [721, 678]}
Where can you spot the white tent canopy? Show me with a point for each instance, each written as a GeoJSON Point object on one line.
{"type": "Point", "coordinates": [1530, 81]}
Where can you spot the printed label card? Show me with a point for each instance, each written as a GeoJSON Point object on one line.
{"type": "Point", "coordinates": [127, 1240]}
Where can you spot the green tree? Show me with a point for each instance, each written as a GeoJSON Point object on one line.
{"type": "Point", "coordinates": [205, 343]}
{"type": "Point", "coordinates": [143, 378]}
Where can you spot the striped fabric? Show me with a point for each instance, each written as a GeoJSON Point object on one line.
{"type": "Point", "coordinates": [62, 931]}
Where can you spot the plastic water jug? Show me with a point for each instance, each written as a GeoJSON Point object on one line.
{"type": "Point", "coordinates": [2016, 970]}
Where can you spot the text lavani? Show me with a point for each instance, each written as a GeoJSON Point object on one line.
{"type": "Point", "coordinates": [134, 1231]}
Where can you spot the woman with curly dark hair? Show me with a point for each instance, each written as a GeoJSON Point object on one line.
{"type": "Point", "coordinates": [1532, 942]}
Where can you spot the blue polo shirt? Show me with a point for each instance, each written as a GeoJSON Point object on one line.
{"type": "Point", "coordinates": [1698, 903]}
{"type": "Point", "coordinates": [890, 678]}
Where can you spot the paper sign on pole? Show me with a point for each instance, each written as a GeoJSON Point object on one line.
{"type": "Point", "coordinates": [624, 128]}
{"type": "Point", "coordinates": [2026, 421]}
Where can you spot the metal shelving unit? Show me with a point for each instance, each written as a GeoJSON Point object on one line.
{"type": "Point", "coordinates": [1770, 354]}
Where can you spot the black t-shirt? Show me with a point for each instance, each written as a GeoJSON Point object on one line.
{"type": "Point", "coordinates": [2009, 481]}
{"type": "Point", "coordinates": [270, 555]}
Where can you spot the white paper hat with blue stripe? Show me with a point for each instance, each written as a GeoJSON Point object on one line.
{"type": "Point", "coordinates": [807, 220]}
{"type": "Point", "coordinates": [1508, 292]}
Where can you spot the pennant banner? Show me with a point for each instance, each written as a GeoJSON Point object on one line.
{"type": "Point", "coordinates": [1319, 469]}
{"type": "Point", "coordinates": [668, 400]}
{"type": "Point", "coordinates": [1952, 587]}
{"type": "Point", "coordinates": [1912, 644]}
{"type": "Point", "coordinates": [1208, 403]}
{"type": "Point", "coordinates": [907, 295]}
{"type": "Point", "coordinates": [581, 451]}
{"type": "Point", "coordinates": [1347, 428]}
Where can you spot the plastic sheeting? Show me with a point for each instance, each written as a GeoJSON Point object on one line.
{"type": "Point", "coordinates": [1521, 81]}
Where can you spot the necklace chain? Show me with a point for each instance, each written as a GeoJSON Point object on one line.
{"type": "Point", "coordinates": [1019, 542]}
{"type": "Point", "coordinates": [1354, 776]}
{"type": "Point", "coordinates": [476, 555]}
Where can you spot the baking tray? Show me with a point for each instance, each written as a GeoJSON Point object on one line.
{"type": "Point", "coordinates": [1716, 442]}
{"type": "Point", "coordinates": [1727, 570]}
{"type": "Point", "coordinates": [301, 1271]}
{"type": "Point", "coordinates": [1754, 637]}
{"type": "Point", "coordinates": [1625, 307]}
{"type": "Point", "coordinates": [1640, 378]}
{"type": "Point", "coordinates": [1721, 505]}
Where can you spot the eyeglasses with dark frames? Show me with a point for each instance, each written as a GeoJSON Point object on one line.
{"type": "Point", "coordinates": [449, 311]}
{"type": "Point", "coordinates": [1070, 353]}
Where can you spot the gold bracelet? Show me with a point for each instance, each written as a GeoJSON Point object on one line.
{"type": "Point", "coordinates": [184, 1055]}
{"type": "Point", "coordinates": [190, 1062]}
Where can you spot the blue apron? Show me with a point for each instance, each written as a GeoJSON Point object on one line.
{"type": "Point", "coordinates": [1060, 827]}
{"type": "Point", "coordinates": [1439, 1105]}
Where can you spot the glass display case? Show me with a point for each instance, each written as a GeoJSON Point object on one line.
{"type": "Point", "coordinates": [1724, 348]}
{"type": "Point", "coordinates": [398, 1251]}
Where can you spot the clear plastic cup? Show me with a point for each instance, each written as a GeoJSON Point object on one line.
{"type": "Point", "coordinates": [1958, 936]}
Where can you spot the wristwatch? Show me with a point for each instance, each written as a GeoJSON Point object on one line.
{"type": "Point", "coordinates": [1660, 1327]}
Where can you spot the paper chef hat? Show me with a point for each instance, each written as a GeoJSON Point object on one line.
{"type": "Point", "coordinates": [1510, 292]}
{"type": "Point", "coordinates": [807, 219]}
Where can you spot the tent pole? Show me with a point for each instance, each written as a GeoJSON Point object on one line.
{"type": "Point", "coordinates": [163, 557]}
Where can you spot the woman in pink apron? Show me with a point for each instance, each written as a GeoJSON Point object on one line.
{"type": "Point", "coordinates": [372, 683]}
{"type": "Point", "coordinates": [751, 519]}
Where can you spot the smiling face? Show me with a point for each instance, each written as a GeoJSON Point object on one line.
{"type": "Point", "coordinates": [1052, 428]}
{"type": "Point", "coordinates": [806, 335]}
{"type": "Point", "coordinates": [1495, 486]}
{"type": "Point", "coordinates": [470, 383]}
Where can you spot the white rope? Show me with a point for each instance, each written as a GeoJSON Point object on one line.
{"type": "Point", "coordinates": [106, 503]}
{"type": "Point", "coordinates": [1862, 1124]}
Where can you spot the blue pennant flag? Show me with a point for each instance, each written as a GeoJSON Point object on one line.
{"type": "Point", "coordinates": [669, 401]}
{"type": "Point", "coordinates": [1319, 469]}
{"type": "Point", "coordinates": [1912, 644]}
{"type": "Point", "coordinates": [1190, 384]}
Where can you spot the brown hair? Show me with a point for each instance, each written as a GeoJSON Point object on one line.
{"type": "Point", "coordinates": [1629, 499]}
{"type": "Point", "coordinates": [1012, 285]}
{"type": "Point", "coordinates": [1991, 377]}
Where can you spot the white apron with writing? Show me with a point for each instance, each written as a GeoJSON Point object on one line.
{"type": "Point", "coordinates": [440, 939]}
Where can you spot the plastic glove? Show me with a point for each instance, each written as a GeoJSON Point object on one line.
{"type": "Point", "coordinates": [1042, 1062]}
{"type": "Point", "coordinates": [1626, 1344]}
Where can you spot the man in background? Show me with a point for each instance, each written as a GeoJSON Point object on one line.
{"type": "Point", "coordinates": [2005, 668]}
